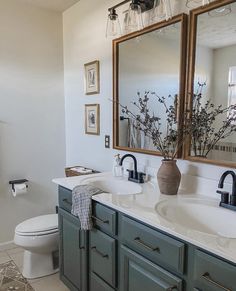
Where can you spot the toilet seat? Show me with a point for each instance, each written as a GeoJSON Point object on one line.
{"type": "Point", "coordinates": [40, 233]}
{"type": "Point", "coordinates": [38, 226]}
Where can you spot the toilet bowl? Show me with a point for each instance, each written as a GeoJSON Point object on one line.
{"type": "Point", "coordinates": [39, 238]}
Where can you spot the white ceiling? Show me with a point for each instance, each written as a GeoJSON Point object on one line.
{"type": "Point", "coordinates": [216, 32]}
{"type": "Point", "coordinates": [55, 5]}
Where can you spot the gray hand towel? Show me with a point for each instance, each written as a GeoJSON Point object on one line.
{"type": "Point", "coordinates": [82, 204]}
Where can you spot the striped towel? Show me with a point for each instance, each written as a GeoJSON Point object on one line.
{"type": "Point", "coordinates": [82, 204]}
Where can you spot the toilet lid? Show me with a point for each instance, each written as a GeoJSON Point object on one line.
{"type": "Point", "coordinates": [39, 224]}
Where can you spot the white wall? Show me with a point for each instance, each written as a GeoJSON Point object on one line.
{"type": "Point", "coordinates": [204, 71]}
{"type": "Point", "coordinates": [32, 127]}
{"type": "Point", "coordinates": [150, 63]}
{"type": "Point", "coordinates": [224, 58]}
{"type": "Point", "coordinates": [84, 41]}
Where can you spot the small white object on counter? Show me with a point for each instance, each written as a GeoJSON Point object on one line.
{"type": "Point", "coordinates": [117, 170]}
{"type": "Point", "coordinates": [143, 207]}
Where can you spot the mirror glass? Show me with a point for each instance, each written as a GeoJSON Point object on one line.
{"type": "Point", "coordinates": [214, 99]}
{"type": "Point", "coordinates": [150, 62]}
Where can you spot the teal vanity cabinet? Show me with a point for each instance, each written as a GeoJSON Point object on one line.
{"type": "Point", "coordinates": [123, 254]}
{"type": "Point", "coordinates": [72, 246]}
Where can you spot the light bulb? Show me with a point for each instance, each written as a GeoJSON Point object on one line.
{"type": "Point", "coordinates": [113, 24]}
{"type": "Point", "coordinates": [134, 18]}
{"type": "Point", "coordinates": [161, 10]}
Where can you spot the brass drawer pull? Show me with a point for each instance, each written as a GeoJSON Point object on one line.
{"type": "Point", "coordinates": [100, 220]}
{"type": "Point", "coordinates": [99, 253]}
{"type": "Point", "coordinates": [141, 243]}
{"type": "Point", "coordinates": [208, 278]}
{"type": "Point", "coordinates": [67, 202]}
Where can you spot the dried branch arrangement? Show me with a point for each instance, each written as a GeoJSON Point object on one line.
{"type": "Point", "coordinates": [167, 141]}
{"type": "Point", "coordinates": [207, 123]}
{"type": "Point", "coordinates": [200, 123]}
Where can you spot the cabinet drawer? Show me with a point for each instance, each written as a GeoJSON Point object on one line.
{"type": "Point", "coordinates": [140, 274]}
{"type": "Point", "coordinates": [104, 218]}
{"type": "Point", "coordinates": [152, 244]}
{"type": "Point", "coordinates": [65, 199]}
{"type": "Point", "coordinates": [97, 284]}
{"type": "Point", "coordinates": [212, 274]}
{"type": "Point", "coordinates": [103, 256]}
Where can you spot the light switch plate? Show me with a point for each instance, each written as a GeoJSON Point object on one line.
{"type": "Point", "coordinates": [107, 141]}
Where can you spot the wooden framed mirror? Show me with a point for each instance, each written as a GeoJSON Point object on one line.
{"type": "Point", "coordinates": [212, 84]}
{"type": "Point", "coordinates": [153, 60]}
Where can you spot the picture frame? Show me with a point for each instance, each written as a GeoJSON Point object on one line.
{"type": "Point", "coordinates": [92, 119]}
{"type": "Point", "coordinates": [92, 78]}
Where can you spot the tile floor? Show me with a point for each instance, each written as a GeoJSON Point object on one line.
{"type": "Point", "coordinates": [49, 283]}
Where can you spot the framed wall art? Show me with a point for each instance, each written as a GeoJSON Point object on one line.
{"type": "Point", "coordinates": [92, 78]}
{"type": "Point", "coordinates": [92, 119]}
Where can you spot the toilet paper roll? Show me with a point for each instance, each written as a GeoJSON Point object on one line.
{"type": "Point", "coordinates": [19, 189]}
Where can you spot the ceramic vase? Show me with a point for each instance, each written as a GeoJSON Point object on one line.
{"type": "Point", "coordinates": [168, 177]}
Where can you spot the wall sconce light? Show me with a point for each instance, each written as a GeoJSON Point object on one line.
{"type": "Point", "coordinates": [134, 17]}
{"type": "Point", "coordinates": [113, 24]}
{"type": "Point", "coordinates": [161, 10]}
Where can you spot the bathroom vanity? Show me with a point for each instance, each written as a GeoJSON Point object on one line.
{"type": "Point", "coordinates": [133, 247]}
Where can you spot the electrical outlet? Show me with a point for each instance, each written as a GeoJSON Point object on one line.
{"type": "Point", "coordinates": [107, 141]}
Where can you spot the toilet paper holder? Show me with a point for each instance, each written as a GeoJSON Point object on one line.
{"type": "Point", "coordinates": [14, 182]}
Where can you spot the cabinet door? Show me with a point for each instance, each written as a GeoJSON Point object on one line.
{"type": "Point", "coordinates": [73, 250]}
{"type": "Point", "coordinates": [139, 274]}
{"type": "Point", "coordinates": [213, 274]}
{"type": "Point", "coordinates": [97, 284]}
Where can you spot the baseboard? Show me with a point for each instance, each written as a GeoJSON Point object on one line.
{"type": "Point", "coordinates": [7, 245]}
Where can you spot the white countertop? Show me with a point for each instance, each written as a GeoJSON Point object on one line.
{"type": "Point", "coordinates": [142, 207]}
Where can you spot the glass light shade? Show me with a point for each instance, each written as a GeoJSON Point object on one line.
{"type": "Point", "coordinates": [168, 9]}
{"type": "Point", "coordinates": [113, 25]}
{"type": "Point", "coordinates": [134, 18]}
{"type": "Point", "coordinates": [221, 11]}
{"type": "Point", "coordinates": [161, 10]}
{"type": "Point", "coordinates": [125, 27]}
{"type": "Point", "coordinates": [196, 3]}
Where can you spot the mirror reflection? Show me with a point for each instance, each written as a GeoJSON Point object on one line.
{"type": "Point", "coordinates": [148, 63]}
{"type": "Point", "coordinates": [214, 100]}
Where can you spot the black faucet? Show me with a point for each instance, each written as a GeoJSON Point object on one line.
{"type": "Point", "coordinates": [225, 201]}
{"type": "Point", "coordinates": [134, 175]}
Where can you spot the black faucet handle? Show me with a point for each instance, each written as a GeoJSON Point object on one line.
{"type": "Point", "coordinates": [131, 173]}
{"type": "Point", "coordinates": [141, 176]}
{"type": "Point", "coordinates": [224, 196]}
{"type": "Point", "coordinates": [136, 176]}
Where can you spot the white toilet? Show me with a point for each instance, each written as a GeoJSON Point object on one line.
{"type": "Point", "coordinates": [39, 237]}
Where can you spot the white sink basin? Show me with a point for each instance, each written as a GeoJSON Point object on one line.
{"type": "Point", "coordinates": [200, 215]}
{"type": "Point", "coordinates": [114, 186]}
